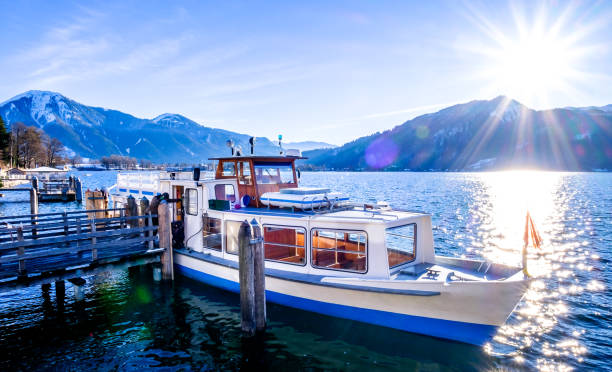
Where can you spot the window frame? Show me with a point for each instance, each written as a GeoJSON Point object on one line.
{"type": "Point", "coordinates": [188, 201]}
{"type": "Point", "coordinates": [224, 243]}
{"type": "Point", "coordinates": [263, 230]}
{"type": "Point", "coordinates": [367, 266]}
{"type": "Point", "coordinates": [223, 163]}
{"type": "Point", "coordinates": [241, 165]}
{"type": "Point", "coordinates": [220, 232]}
{"type": "Point", "coordinates": [225, 185]}
{"type": "Point", "coordinates": [414, 244]}
{"type": "Point", "coordinates": [277, 167]}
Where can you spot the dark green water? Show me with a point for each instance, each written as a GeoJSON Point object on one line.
{"type": "Point", "coordinates": [127, 321]}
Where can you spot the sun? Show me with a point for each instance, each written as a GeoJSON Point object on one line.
{"type": "Point", "coordinates": [541, 56]}
{"type": "Point", "coordinates": [532, 66]}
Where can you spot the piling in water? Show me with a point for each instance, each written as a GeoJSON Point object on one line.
{"type": "Point", "coordinates": [165, 240]}
{"type": "Point", "coordinates": [131, 210]}
{"type": "Point", "coordinates": [252, 279]}
{"type": "Point", "coordinates": [78, 190]}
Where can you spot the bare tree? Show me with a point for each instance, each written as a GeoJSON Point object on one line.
{"type": "Point", "coordinates": [75, 160]}
{"type": "Point", "coordinates": [53, 150]}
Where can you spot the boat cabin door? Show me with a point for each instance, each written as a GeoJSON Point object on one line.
{"type": "Point", "coordinates": [193, 218]}
{"type": "Point", "coordinates": [178, 192]}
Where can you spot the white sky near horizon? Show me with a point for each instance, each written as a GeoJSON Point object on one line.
{"type": "Point", "coordinates": [321, 71]}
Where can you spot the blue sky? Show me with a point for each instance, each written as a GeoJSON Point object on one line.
{"type": "Point", "coordinates": [330, 71]}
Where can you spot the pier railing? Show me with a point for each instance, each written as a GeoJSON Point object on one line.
{"type": "Point", "coordinates": [40, 244]}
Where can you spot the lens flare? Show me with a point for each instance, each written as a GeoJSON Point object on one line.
{"type": "Point", "coordinates": [381, 152]}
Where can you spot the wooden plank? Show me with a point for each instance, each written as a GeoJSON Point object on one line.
{"type": "Point", "coordinates": [61, 239]}
{"type": "Point", "coordinates": [77, 249]}
{"type": "Point", "coordinates": [21, 254]}
{"type": "Point", "coordinates": [28, 216]}
{"type": "Point", "coordinates": [41, 225]}
{"type": "Point", "coordinates": [57, 233]}
{"type": "Point", "coordinates": [94, 250]}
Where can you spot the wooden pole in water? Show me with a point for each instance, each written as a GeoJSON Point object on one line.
{"type": "Point", "coordinates": [257, 245]}
{"type": "Point", "coordinates": [131, 210]}
{"type": "Point", "coordinates": [252, 278]}
{"type": "Point", "coordinates": [150, 234]}
{"type": "Point", "coordinates": [144, 204]}
{"type": "Point", "coordinates": [246, 267]}
{"type": "Point", "coordinates": [78, 190]}
{"type": "Point", "coordinates": [33, 209]}
{"type": "Point", "coordinates": [165, 239]}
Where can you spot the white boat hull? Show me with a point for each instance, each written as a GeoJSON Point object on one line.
{"type": "Point", "coordinates": [464, 311]}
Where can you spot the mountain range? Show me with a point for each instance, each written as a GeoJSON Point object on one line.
{"type": "Point", "coordinates": [492, 134]}
{"type": "Point", "coordinates": [478, 135]}
{"type": "Point", "coordinates": [93, 132]}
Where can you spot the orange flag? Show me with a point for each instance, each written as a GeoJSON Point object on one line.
{"type": "Point", "coordinates": [530, 229]}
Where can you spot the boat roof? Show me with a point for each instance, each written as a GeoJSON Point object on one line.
{"type": "Point", "coordinates": [357, 215]}
{"type": "Point", "coordinates": [260, 157]}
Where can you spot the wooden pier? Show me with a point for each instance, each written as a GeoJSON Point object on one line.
{"type": "Point", "coordinates": [58, 190]}
{"type": "Point", "coordinates": [63, 190]}
{"type": "Point", "coordinates": [41, 248]}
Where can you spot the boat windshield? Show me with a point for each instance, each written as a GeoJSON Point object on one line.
{"type": "Point", "coordinates": [401, 244]}
{"type": "Point", "coordinates": [274, 173]}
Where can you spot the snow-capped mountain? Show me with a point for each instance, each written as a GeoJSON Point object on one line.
{"type": "Point", "coordinates": [94, 132]}
{"type": "Point", "coordinates": [478, 135]}
{"type": "Point", "coordinates": [308, 145]}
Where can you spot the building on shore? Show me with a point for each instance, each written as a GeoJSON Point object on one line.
{"type": "Point", "coordinates": [45, 172]}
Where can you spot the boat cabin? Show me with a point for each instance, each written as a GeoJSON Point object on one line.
{"type": "Point", "coordinates": [257, 175]}
{"type": "Point", "coordinates": [349, 241]}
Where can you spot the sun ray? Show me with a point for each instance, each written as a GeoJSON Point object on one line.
{"type": "Point", "coordinates": [541, 57]}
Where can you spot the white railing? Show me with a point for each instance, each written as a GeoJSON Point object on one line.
{"type": "Point", "coordinates": [138, 181]}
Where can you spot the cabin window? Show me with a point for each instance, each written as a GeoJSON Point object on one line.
{"type": "Point", "coordinates": [225, 191]}
{"type": "Point", "coordinates": [229, 169]}
{"type": "Point", "coordinates": [211, 232]}
{"type": "Point", "coordinates": [191, 203]}
{"type": "Point", "coordinates": [285, 244]}
{"type": "Point", "coordinates": [273, 173]}
{"type": "Point", "coordinates": [401, 244]}
{"type": "Point", "coordinates": [244, 173]}
{"type": "Point", "coordinates": [339, 250]}
{"type": "Point", "coordinates": [232, 228]}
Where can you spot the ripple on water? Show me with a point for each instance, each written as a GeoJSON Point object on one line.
{"type": "Point", "coordinates": [129, 322]}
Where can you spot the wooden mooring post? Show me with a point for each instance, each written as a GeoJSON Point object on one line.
{"type": "Point", "coordinates": [165, 239]}
{"type": "Point", "coordinates": [131, 210]}
{"type": "Point", "coordinates": [78, 190]}
{"type": "Point", "coordinates": [34, 206]}
{"type": "Point", "coordinates": [252, 278]}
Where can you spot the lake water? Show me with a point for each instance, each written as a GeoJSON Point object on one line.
{"type": "Point", "coordinates": [129, 322]}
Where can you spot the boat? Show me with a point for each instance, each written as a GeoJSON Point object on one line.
{"type": "Point", "coordinates": [324, 253]}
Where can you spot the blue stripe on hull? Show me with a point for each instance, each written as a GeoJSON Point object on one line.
{"type": "Point", "coordinates": [471, 333]}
